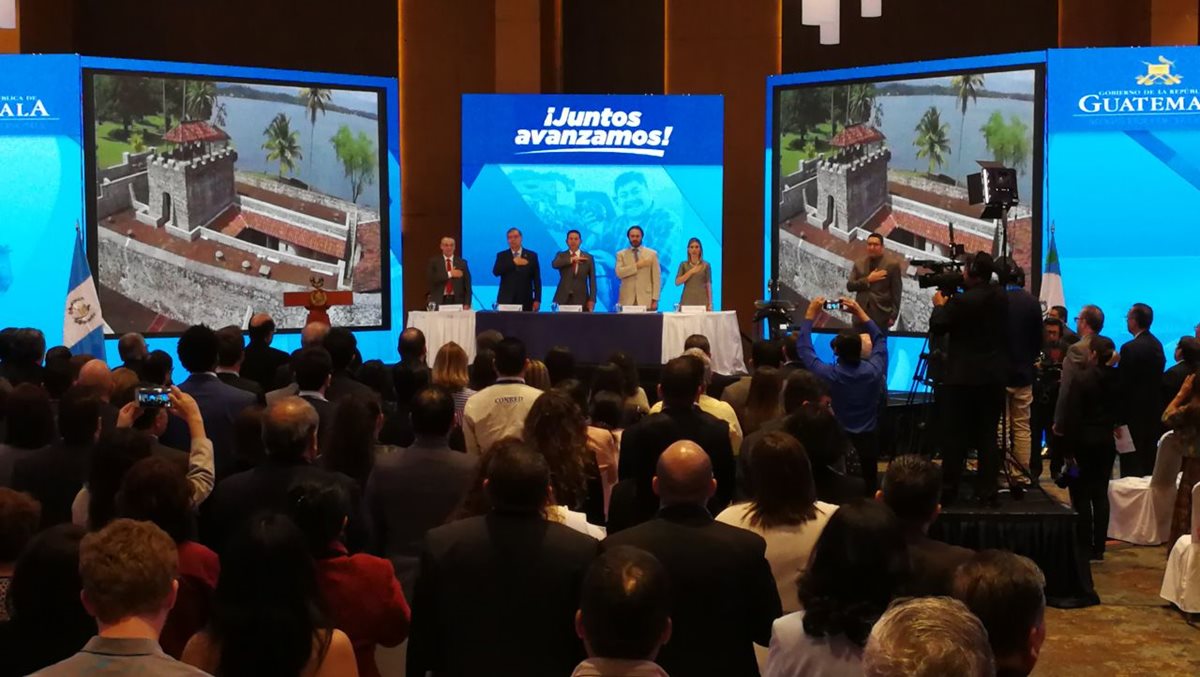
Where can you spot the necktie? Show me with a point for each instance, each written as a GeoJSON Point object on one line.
{"type": "Point", "coordinates": [635, 253]}
{"type": "Point", "coordinates": [449, 290]}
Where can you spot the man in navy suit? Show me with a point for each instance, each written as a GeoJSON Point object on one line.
{"type": "Point", "coordinates": [519, 273]}
{"type": "Point", "coordinates": [220, 403]}
{"type": "Point", "coordinates": [1140, 373]}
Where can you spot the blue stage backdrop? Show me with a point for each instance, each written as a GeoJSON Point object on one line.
{"type": "Point", "coordinates": [46, 166]}
{"type": "Point", "coordinates": [1124, 173]}
{"type": "Point", "coordinates": [41, 188]}
{"type": "Point", "coordinates": [547, 164]}
{"type": "Point", "coordinates": [886, 149]}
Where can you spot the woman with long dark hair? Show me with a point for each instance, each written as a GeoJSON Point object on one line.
{"type": "Point", "coordinates": [695, 276]}
{"type": "Point", "coordinates": [361, 591]}
{"type": "Point", "coordinates": [783, 509]}
{"type": "Point", "coordinates": [633, 392]}
{"type": "Point", "coordinates": [268, 618]}
{"type": "Point", "coordinates": [860, 564]}
{"type": "Point", "coordinates": [483, 369]}
{"type": "Point", "coordinates": [556, 428]}
{"type": "Point", "coordinates": [763, 403]}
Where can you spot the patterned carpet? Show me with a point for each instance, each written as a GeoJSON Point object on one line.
{"type": "Point", "coordinates": [1132, 632]}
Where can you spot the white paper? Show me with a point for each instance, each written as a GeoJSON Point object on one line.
{"type": "Point", "coordinates": [510, 307]}
{"type": "Point", "coordinates": [570, 309]}
{"type": "Point", "coordinates": [693, 310]}
{"type": "Point", "coordinates": [633, 309]}
{"type": "Point", "coordinates": [1124, 440]}
{"type": "Point", "coordinates": [450, 308]}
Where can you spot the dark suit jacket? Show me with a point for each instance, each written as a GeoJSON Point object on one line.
{"type": "Point", "coordinates": [411, 491]}
{"type": "Point", "coordinates": [643, 442]}
{"type": "Point", "coordinates": [243, 383]}
{"type": "Point", "coordinates": [574, 287]}
{"type": "Point", "coordinates": [836, 488]}
{"type": "Point", "coordinates": [54, 476]}
{"type": "Point", "coordinates": [933, 565]}
{"type": "Point", "coordinates": [240, 496]}
{"type": "Point", "coordinates": [1140, 375]}
{"type": "Point", "coordinates": [1172, 381]}
{"type": "Point", "coordinates": [975, 321]}
{"type": "Point", "coordinates": [409, 378]}
{"type": "Point", "coordinates": [220, 404]}
{"type": "Point", "coordinates": [461, 286]}
{"type": "Point", "coordinates": [518, 284]}
{"type": "Point", "coordinates": [341, 384]}
{"type": "Point", "coordinates": [497, 594]}
{"type": "Point", "coordinates": [1024, 336]}
{"type": "Point", "coordinates": [324, 414]}
{"type": "Point", "coordinates": [880, 299]}
{"type": "Point", "coordinates": [723, 596]}
{"type": "Point", "coordinates": [259, 363]}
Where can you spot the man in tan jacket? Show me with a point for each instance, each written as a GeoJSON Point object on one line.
{"type": "Point", "coordinates": [637, 267]}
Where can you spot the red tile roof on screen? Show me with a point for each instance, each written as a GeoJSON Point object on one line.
{"type": "Point", "coordinates": [857, 135]}
{"type": "Point", "coordinates": [195, 130]}
{"type": "Point", "coordinates": [325, 244]}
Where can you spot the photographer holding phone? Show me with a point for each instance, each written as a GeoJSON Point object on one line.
{"type": "Point", "coordinates": [855, 382]}
{"type": "Point", "coordinates": [148, 413]}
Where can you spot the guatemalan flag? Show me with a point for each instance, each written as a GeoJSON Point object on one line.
{"type": "Point", "coordinates": [83, 324]}
{"type": "Point", "coordinates": [1052, 286]}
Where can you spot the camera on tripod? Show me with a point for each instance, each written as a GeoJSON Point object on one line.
{"type": "Point", "coordinates": [945, 275]}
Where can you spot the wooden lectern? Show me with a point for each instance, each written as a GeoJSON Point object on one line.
{"type": "Point", "coordinates": [318, 301]}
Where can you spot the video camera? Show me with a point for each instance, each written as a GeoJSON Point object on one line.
{"type": "Point", "coordinates": [945, 275]}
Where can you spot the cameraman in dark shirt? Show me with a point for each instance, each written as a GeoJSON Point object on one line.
{"type": "Point", "coordinates": [1047, 378]}
{"type": "Point", "coordinates": [976, 368]}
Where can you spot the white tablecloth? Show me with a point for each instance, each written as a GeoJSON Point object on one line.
{"type": "Point", "coordinates": [441, 328]}
{"type": "Point", "coordinates": [722, 331]}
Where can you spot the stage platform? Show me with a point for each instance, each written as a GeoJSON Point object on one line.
{"type": "Point", "coordinates": [1035, 526]}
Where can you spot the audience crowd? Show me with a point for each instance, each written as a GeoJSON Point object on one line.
{"type": "Point", "coordinates": [287, 514]}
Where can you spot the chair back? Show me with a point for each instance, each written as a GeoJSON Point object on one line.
{"type": "Point", "coordinates": [1168, 461]}
{"type": "Point", "coordinates": [1196, 514]}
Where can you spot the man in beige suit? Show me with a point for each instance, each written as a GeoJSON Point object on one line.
{"type": "Point", "coordinates": [637, 267]}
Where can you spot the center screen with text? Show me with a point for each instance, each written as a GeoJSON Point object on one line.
{"type": "Point", "coordinates": [599, 165]}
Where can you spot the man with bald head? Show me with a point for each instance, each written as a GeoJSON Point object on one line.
{"type": "Point", "coordinates": [96, 375]}
{"type": "Point", "coordinates": [723, 596]}
{"type": "Point", "coordinates": [260, 360]}
{"type": "Point", "coordinates": [449, 277]}
{"type": "Point", "coordinates": [290, 431]}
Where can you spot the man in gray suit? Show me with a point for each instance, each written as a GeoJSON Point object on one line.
{"type": "Point", "coordinates": [449, 277]}
{"type": "Point", "coordinates": [1089, 323]}
{"type": "Point", "coordinates": [876, 280]}
{"type": "Point", "coordinates": [577, 275]}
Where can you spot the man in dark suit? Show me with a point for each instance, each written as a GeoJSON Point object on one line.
{"type": "Point", "coordinates": [911, 487]}
{"type": "Point", "coordinates": [497, 593]}
{"type": "Point", "coordinates": [1187, 361]}
{"type": "Point", "coordinates": [261, 360]}
{"type": "Point", "coordinates": [449, 278]}
{"type": "Point", "coordinates": [230, 356]}
{"type": "Point", "coordinates": [718, 383]}
{"type": "Point", "coordinates": [1139, 378]}
{"type": "Point", "coordinates": [342, 347]}
{"type": "Point", "coordinates": [133, 351]}
{"type": "Point", "coordinates": [411, 373]}
{"type": "Point", "coordinates": [313, 367]}
{"type": "Point", "coordinates": [519, 273]}
{"type": "Point", "coordinates": [1089, 323]}
{"type": "Point", "coordinates": [1024, 341]}
{"type": "Point", "coordinates": [413, 490]}
{"type": "Point", "coordinates": [680, 419]}
{"type": "Point", "coordinates": [876, 280]}
{"type": "Point", "coordinates": [723, 596]}
{"type": "Point", "coordinates": [220, 403]}
{"type": "Point", "coordinates": [54, 476]}
{"type": "Point", "coordinates": [974, 324]}
{"type": "Point", "coordinates": [290, 437]}
{"type": "Point", "coordinates": [577, 275]}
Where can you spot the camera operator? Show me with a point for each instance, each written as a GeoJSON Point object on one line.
{"type": "Point", "coordinates": [1091, 412]}
{"type": "Point", "coordinates": [1047, 376]}
{"type": "Point", "coordinates": [975, 370]}
{"type": "Point", "coordinates": [1024, 347]}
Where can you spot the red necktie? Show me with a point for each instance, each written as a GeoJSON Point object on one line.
{"type": "Point", "coordinates": [449, 290]}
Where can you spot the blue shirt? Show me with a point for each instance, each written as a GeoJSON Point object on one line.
{"type": "Point", "coordinates": [854, 389]}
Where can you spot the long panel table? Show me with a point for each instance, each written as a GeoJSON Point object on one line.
{"type": "Point", "coordinates": [649, 338]}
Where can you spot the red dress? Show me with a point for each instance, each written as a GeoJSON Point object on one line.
{"type": "Point", "coordinates": [199, 569]}
{"type": "Point", "coordinates": [366, 602]}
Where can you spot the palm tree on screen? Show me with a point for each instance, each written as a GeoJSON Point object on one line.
{"type": "Point", "coordinates": [315, 101]}
{"type": "Point", "coordinates": [932, 142]}
{"type": "Point", "coordinates": [966, 88]}
{"type": "Point", "coordinates": [282, 144]}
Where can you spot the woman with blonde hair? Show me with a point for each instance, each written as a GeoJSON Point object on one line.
{"type": "Point", "coordinates": [537, 375]}
{"type": "Point", "coordinates": [450, 372]}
